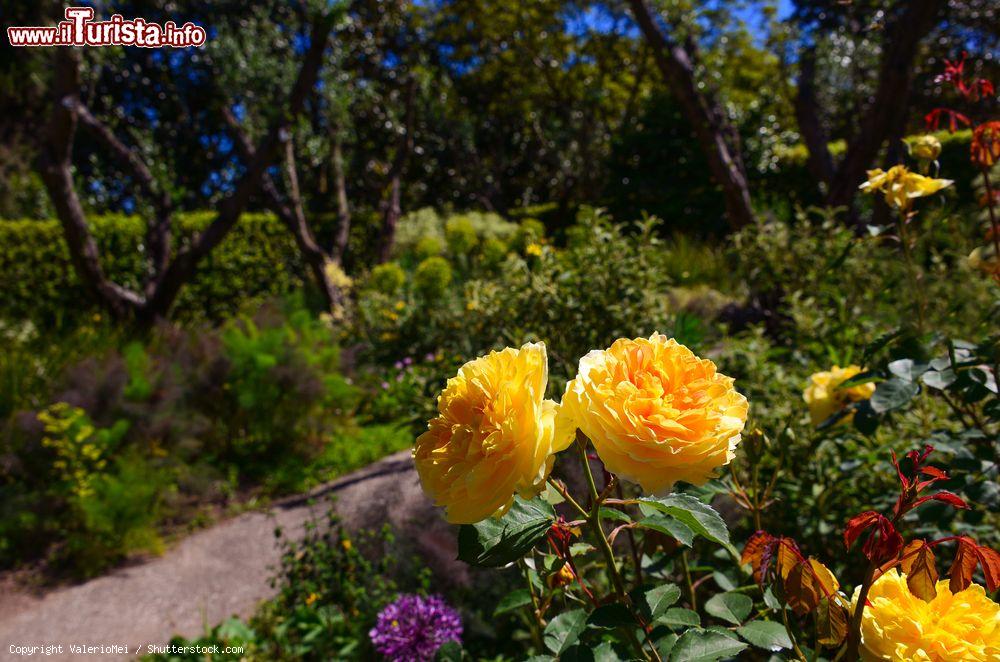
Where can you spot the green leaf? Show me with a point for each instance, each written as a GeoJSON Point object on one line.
{"type": "Point", "coordinates": [730, 607]}
{"type": "Point", "coordinates": [679, 616]}
{"type": "Point", "coordinates": [766, 634]}
{"type": "Point", "coordinates": [652, 602]}
{"type": "Point", "coordinates": [893, 394]}
{"type": "Point", "coordinates": [450, 651]}
{"type": "Point", "coordinates": [564, 630]}
{"type": "Point", "coordinates": [494, 543]}
{"type": "Point", "coordinates": [607, 653]}
{"type": "Point", "coordinates": [704, 646]}
{"type": "Point", "coordinates": [610, 617]}
{"type": "Point", "coordinates": [513, 600]}
{"type": "Point", "coordinates": [615, 514]}
{"type": "Point", "coordinates": [697, 516]}
{"type": "Point", "coordinates": [669, 526]}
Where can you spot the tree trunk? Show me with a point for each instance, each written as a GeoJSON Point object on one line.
{"type": "Point", "coordinates": [343, 234]}
{"type": "Point", "coordinates": [889, 106]}
{"type": "Point", "coordinates": [820, 163]}
{"type": "Point", "coordinates": [392, 210]}
{"type": "Point", "coordinates": [704, 114]}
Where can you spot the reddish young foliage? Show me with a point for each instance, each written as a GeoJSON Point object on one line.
{"type": "Point", "coordinates": [969, 555]}
{"type": "Point", "coordinates": [932, 120]}
{"type": "Point", "coordinates": [884, 541]}
{"type": "Point", "coordinates": [963, 566]}
{"type": "Point", "coordinates": [921, 572]}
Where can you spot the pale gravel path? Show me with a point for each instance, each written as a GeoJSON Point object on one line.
{"type": "Point", "coordinates": [215, 573]}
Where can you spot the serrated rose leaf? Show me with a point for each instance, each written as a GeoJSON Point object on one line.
{"type": "Point", "coordinates": [963, 566]}
{"type": "Point", "coordinates": [921, 572]}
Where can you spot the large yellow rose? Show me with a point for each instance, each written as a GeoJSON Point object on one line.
{"type": "Point", "coordinates": [655, 412]}
{"type": "Point", "coordinates": [494, 436]}
{"type": "Point", "coordinates": [825, 397]}
{"type": "Point", "coordinates": [898, 625]}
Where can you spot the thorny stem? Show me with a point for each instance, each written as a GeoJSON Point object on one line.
{"type": "Point", "coordinates": [636, 559]}
{"type": "Point", "coordinates": [594, 519]}
{"type": "Point", "coordinates": [537, 624]}
{"type": "Point", "coordinates": [911, 267]}
{"type": "Point", "coordinates": [564, 493]}
{"type": "Point", "coordinates": [795, 645]}
{"type": "Point", "coordinates": [687, 578]}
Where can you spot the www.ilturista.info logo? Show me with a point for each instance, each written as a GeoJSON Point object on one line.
{"type": "Point", "coordinates": [80, 29]}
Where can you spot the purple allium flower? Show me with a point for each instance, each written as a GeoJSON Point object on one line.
{"type": "Point", "coordinates": [429, 357]}
{"type": "Point", "coordinates": [408, 360]}
{"type": "Point", "coordinates": [413, 628]}
{"type": "Point", "coordinates": [385, 385]}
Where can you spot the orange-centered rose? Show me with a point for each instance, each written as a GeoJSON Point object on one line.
{"type": "Point", "coordinates": [494, 436]}
{"type": "Point", "coordinates": [656, 413]}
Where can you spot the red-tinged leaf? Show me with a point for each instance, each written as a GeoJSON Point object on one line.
{"type": "Point", "coordinates": [831, 622]}
{"type": "Point", "coordinates": [754, 549]}
{"type": "Point", "coordinates": [934, 472]}
{"type": "Point", "coordinates": [801, 590]}
{"type": "Point", "coordinates": [825, 581]}
{"type": "Point", "coordinates": [856, 526]}
{"type": "Point", "coordinates": [951, 500]}
{"type": "Point", "coordinates": [989, 560]}
{"type": "Point", "coordinates": [786, 557]}
{"type": "Point", "coordinates": [884, 542]}
{"type": "Point", "coordinates": [921, 572]}
{"type": "Point", "coordinates": [963, 566]}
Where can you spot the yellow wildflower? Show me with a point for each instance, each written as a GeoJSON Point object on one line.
{"type": "Point", "coordinates": [901, 187]}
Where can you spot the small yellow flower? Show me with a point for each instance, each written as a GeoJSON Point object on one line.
{"type": "Point", "coordinates": [312, 598]}
{"type": "Point", "coordinates": [898, 625]}
{"type": "Point", "coordinates": [533, 249]}
{"type": "Point", "coordinates": [346, 544]}
{"type": "Point", "coordinates": [400, 305]}
{"type": "Point", "coordinates": [825, 397]}
{"type": "Point", "coordinates": [656, 413]}
{"type": "Point", "coordinates": [925, 148]}
{"type": "Point", "coordinates": [901, 187]}
{"type": "Point", "coordinates": [495, 435]}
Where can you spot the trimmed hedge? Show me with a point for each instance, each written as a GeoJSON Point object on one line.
{"type": "Point", "coordinates": [256, 261]}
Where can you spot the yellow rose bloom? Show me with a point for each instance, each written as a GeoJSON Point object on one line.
{"type": "Point", "coordinates": [901, 187]}
{"type": "Point", "coordinates": [925, 148]}
{"type": "Point", "coordinates": [656, 413]}
{"type": "Point", "coordinates": [825, 397]}
{"type": "Point", "coordinates": [898, 625]}
{"type": "Point", "coordinates": [495, 435]}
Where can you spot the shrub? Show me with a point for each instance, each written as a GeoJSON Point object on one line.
{"type": "Point", "coordinates": [429, 246]}
{"type": "Point", "coordinates": [460, 235]}
{"type": "Point", "coordinates": [388, 278]}
{"type": "Point", "coordinates": [432, 277]}
{"type": "Point", "coordinates": [529, 231]}
{"type": "Point", "coordinates": [257, 261]}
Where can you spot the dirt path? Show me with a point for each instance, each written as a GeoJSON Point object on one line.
{"type": "Point", "coordinates": [212, 574]}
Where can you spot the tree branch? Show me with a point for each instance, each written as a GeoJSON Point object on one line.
{"type": "Point", "coordinates": [710, 126]}
{"type": "Point", "coordinates": [158, 231]}
{"type": "Point", "coordinates": [185, 263]}
{"type": "Point", "coordinates": [810, 126]}
{"type": "Point", "coordinates": [55, 168]}
{"type": "Point", "coordinates": [890, 103]}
